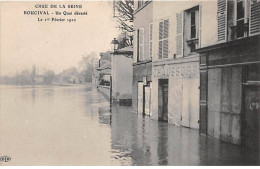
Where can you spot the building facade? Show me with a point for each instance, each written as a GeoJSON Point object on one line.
{"type": "Point", "coordinates": [180, 27]}
{"type": "Point", "coordinates": [142, 62]}
{"type": "Point", "coordinates": [229, 72]}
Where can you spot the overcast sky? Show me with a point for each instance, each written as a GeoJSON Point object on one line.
{"type": "Point", "coordinates": [49, 45]}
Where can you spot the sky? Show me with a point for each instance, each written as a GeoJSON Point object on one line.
{"type": "Point", "coordinates": [24, 41]}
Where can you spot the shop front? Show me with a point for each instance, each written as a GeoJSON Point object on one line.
{"type": "Point", "coordinates": [230, 92]}
{"type": "Point", "coordinates": [175, 91]}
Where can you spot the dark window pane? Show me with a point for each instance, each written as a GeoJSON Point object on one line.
{"type": "Point", "coordinates": [240, 10]}
{"type": "Point", "coordinates": [240, 28]}
{"type": "Point", "coordinates": [193, 32]}
{"type": "Point", "coordinates": [192, 18]}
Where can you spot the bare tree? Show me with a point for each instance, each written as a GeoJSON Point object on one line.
{"type": "Point", "coordinates": [87, 64]}
{"type": "Point", "coordinates": [123, 12]}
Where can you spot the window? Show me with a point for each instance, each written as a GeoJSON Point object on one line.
{"type": "Point", "coordinates": [240, 18]}
{"type": "Point", "coordinates": [151, 41]}
{"type": "Point", "coordinates": [163, 39]}
{"type": "Point", "coordinates": [141, 44]}
{"type": "Point", "coordinates": [191, 23]}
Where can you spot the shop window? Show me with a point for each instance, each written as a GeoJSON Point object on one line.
{"type": "Point", "coordinates": [163, 39]}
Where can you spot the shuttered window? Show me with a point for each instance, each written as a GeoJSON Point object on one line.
{"type": "Point", "coordinates": [222, 19]}
{"type": "Point", "coordinates": [163, 39]}
{"type": "Point", "coordinates": [141, 44]}
{"type": "Point", "coordinates": [179, 34]}
{"type": "Point", "coordinates": [240, 30]}
{"type": "Point", "coordinates": [135, 46]}
{"type": "Point", "coordinates": [151, 40]}
{"type": "Point", "coordinates": [255, 17]}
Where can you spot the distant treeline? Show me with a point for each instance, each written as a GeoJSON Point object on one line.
{"type": "Point", "coordinates": [48, 77]}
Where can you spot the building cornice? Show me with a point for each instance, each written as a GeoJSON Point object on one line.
{"type": "Point", "coordinates": [252, 39]}
{"type": "Point", "coordinates": [142, 62]}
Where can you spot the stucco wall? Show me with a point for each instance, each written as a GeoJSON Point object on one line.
{"type": "Point", "coordinates": [183, 90]}
{"type": "Point", "coordinates": [122, 76]}
{"type": "Point", "coordinates": [168, 10]}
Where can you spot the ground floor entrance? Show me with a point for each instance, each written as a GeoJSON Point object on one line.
{"type": "Point", "coordinates": [250, 130]}
{"type": "Point", "coordinates": [144, 98]}
{"type": "Point", "coordinates": [163, 100]}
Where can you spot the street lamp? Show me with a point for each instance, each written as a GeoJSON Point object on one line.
{"type": "Point", "coordinates": [114, 44]}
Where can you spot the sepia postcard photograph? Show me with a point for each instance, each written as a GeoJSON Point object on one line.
{"type": "Point", "coordinates": [130, 83]}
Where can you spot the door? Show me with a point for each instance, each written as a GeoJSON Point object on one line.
{"type": "Point", "coordinates": [147, 100]}
{"type": "Point", "coordinates": [190, 103]}
{"type": "Point", "coordinates": [140, 97]}
{"type": "Point", "coordinates": [165, 102]}
{"type": "Point", "coordinates": [250, 128]}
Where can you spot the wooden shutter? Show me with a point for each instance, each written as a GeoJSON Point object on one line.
{"type": "Point", "coordinates": [135, 45]}
{"type": "Point", "coordinates": [160, 51]}
{"type": "Point", "coordinates": [179, 34]}
{"type": "Point", "coordinates": [255, 18]}
{"type": "Point", "coordinates": [222, 20]}
{"type": "Point", "coordinates": [141, 44]}
{"type": "Point", "coordinates": [165, 36]}
{"type": "Point", "coordinates": [151, 41]}
{"type": "Point", "coordinates": [200, 25]}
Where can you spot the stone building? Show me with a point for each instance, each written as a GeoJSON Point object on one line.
{"type": "Point", "coordinates": [180, 27]}
{"type": "Point", "coordinates": [142, 62]}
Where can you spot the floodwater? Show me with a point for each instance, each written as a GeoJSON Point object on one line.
{"type": "Point", "coordinates": [73, 125]}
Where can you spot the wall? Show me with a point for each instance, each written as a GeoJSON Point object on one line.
{"type": "Point", "coordinates": [122, 76]}
{"type": "Point", "coordinates": [183, 75]}
{"type": "Point", "coordinates": [142, 19]}
{"type": "Point", "coordinates": [168, 10]}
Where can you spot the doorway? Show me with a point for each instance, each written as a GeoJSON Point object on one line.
{"type": "Point", "coordinates": [140, 93]}
{"type": "Point", "coordinates": [163, 100]}
{"type": "Point", "coordinates": [250, 118]}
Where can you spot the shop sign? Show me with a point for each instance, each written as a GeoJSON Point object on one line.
{"type": "Point", "coordinates": [177, 70]}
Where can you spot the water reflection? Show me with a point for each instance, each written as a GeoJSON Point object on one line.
{"type": "Point", "coordinates": [162, 148]}
{"type": "Point", "coordinates": [74, 126]}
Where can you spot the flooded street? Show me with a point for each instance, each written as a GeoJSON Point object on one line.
{"type": "Point", "coordinates": [73, 125]}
